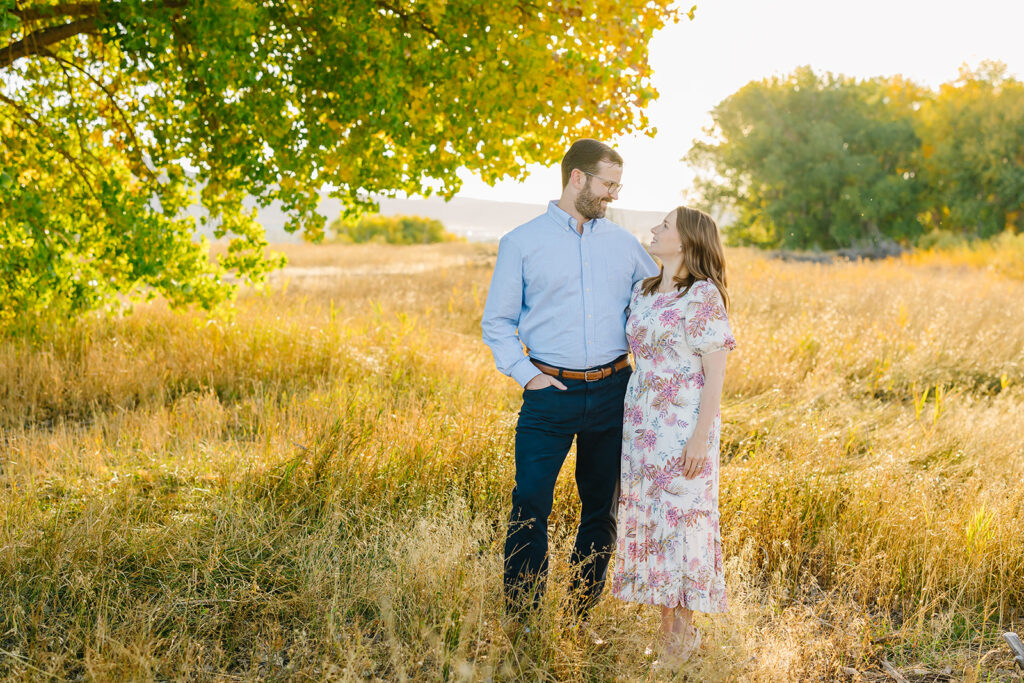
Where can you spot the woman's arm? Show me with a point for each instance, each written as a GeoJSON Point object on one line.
{"type": "Point", "coordinates": [695, 453]}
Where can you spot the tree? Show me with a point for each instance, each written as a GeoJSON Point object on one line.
{"type": "Point", "coordinates": [116, 116]}
{"type": "Point", "coordinates": [972, 134]}
{"type": "Point", "coordinates": [389, 230]}
{"type": "Point", "coordinates": [814, 160]}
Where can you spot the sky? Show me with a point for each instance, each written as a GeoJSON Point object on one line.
{"type": "Point", "coordinates": [732, 42]}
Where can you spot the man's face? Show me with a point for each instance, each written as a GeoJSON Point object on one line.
{"type": "Point", "coordinates": [593, 199]}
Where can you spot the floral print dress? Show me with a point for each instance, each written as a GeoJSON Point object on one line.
{"type": "Point", "coordinates": [669, 547]}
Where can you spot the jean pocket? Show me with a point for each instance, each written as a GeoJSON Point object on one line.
{"type": "Point", "coordinates": [543, 390]}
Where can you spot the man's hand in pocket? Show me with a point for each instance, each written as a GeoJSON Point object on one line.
{"type": "Point", "coordinates": [542, 380]}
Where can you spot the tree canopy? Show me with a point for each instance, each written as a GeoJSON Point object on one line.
{"type": "Point", "coordinates": [117, 116]}
{"type": "Point", "coordinates": [811, 159]}
{"type": "Point", "coordinates": [972, 133]}
{"type": "Point", "coordinates": [822, 160]}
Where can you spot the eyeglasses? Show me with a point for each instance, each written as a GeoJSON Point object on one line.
{"type": "Point", "coordinates": [610, 184]}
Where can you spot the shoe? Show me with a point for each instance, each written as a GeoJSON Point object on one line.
{"type": "Point", "coordinates": [585, 632]}
{"type": "Point", "coordinates": [664, 650]}
{"type": "Point", "coordinates": [675, 651]}
{"type": "Point", "coordinates": [593, 637]}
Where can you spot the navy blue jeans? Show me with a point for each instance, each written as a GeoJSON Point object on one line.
{"type": "Point", "coordinates": [590, 412]}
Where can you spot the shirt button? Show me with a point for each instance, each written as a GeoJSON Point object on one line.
{"type": "Point", "coordinates": [588, 289]}
{"type": "Point", "coordinates": [589, 316]}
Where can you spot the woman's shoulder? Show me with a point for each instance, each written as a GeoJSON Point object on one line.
{"type": "Point", "coordinates": [704, 291]}
{"type": "Point", "coordinates": [700, 288]}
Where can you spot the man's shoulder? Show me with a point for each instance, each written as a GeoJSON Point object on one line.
{"type": "Point", "coordinates": [526, 231]}
{"type": "Point", "coordinates": [616, 231]}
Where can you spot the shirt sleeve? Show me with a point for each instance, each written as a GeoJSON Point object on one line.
{"type": "Point", "coordinates": [644, 264]}
{"type": "Point", "coordinates": [500, 321]}
{"type": "Point", "coordinates": [706, 323]}
{"type": "Point", "coordinates": [633, 297]}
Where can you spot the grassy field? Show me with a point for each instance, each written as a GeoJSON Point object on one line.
{"type": "Point", "coordinates": [315, 486]}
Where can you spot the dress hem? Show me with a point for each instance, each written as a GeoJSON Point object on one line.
{"type": "Point", "coordinates": [695, 606]}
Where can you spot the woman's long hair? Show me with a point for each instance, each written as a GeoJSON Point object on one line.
{"type": "Point", "coordinates": [703, 254]}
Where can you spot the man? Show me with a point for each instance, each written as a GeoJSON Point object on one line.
{"type": "Point", "coordinates": [561, 287]}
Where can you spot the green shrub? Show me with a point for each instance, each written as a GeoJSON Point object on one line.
{"type": "Point", "coordinates": [389, 230]}
{"type": "Point", "coordinates": [940, 239]}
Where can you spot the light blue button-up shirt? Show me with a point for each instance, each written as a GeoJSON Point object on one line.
{"type": "Point", "coordinates": [561, 294]}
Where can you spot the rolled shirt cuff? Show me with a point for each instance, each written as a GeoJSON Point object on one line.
{"type": "Point", "coordinates": [523, 371]}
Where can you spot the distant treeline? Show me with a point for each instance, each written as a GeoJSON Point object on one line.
{"type": "Point", "coordinates": [388, 230]}
{"type": "Point", "coordinates": [820, 160]}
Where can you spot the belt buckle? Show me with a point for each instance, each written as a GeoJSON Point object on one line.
{"type": "Point", "coordinates": [599, 372]}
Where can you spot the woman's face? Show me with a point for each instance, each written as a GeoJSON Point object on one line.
{"type": "Point", "coordinates": [665, 237]}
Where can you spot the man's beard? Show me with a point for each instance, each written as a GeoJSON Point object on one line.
{"type": "Point", "coordinates": [588, 204]}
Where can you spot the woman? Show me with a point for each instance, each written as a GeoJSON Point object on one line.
{"type": "Point", "coordinates": [669, 548]}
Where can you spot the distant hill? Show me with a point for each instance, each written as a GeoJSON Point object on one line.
{"type": "Point", "coordinates": [479, 220]}
{"type": "Point", "coordinates": [482, 220]}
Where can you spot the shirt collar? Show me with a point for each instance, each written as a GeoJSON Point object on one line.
{"type": "Point", "coordinates": [565, 221]}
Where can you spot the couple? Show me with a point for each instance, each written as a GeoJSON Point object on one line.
{"type": "Point", "coordinates": [575, 289]}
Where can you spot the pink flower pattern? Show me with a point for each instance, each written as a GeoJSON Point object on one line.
{"type": "Point", "coordinates": [669, 548]}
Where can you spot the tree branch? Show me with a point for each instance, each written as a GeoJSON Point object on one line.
{"type": "Point", "coordinates": [406, 17]}
{"type": "Point", "coordinates": [128, 126]}
{"type": "Point", "coordinates": [83, 174]}
{"type": "Point", "coordinates": [71, 95]}
{"type": "Point", "coordinates": [69, 9]}
{"type": "Point", "coordinates": [35, 42]}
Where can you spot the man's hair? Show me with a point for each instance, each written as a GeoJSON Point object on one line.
{"type": "Point", "coordinates": [585, 154]}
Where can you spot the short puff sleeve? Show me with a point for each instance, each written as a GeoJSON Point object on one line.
{"type": "Point", "coordinates": [706, 324]}
{"type": "Point", "coordinates": [634, 296]}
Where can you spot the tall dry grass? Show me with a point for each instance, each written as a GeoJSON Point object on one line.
{"type": "Point", "coordinates": [315, 486]}
{"type": "Point", "coordinates": [1002, 254]}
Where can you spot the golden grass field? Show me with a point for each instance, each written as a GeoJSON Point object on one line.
{"type": "Point", "coordinates": [315, 486]}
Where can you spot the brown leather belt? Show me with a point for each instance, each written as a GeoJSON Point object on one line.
{"type": "Point", "coordinates": [591, 375]}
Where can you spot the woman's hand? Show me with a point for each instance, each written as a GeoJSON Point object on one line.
{"type": "Point", "coordinates": [695, 455]}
